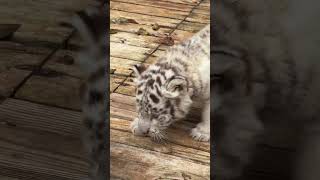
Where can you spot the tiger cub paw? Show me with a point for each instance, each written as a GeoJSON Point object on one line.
{"type": "Point", "coordinates": [200, 134]}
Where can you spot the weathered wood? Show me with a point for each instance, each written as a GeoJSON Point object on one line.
{"type": "Point", "coordinates": [38, 139]}
{"type": "Point", "coordinates": [121, 50]}
{"type": "Point", "coordinates": [122, 66]}
{"type": "Point", "coordinates": [115, 82]}
{"type": "Point", "coordinates": [147, 10]}
{"type": "Point", "coordinates": [24, 174]}
{"type": "Point", "coordinates": [139, 156]}
{"type": "Point", "coordinates": [145, 19]}
{"type": "Point", "coordinates": [7, 178]}
{"type": "Point", "coordinates": [16, 63]}
{"type": "Point", "coordinates": [189, 2]}
{"type": "Point", "coordinates": [204, 11]}
{"type": "Point", "coordinates": [10, 80]}
{"type": "Point", "coordinates": [127, 87]}
{"type": "Point", "coordinates": [64, 62]}
{"type": "Point", "coordinates": [51, 88]}
{"type": "Point", "coordinates": [17, 156]}
{"type": "Point", "coordinates": [160, 4]}
{"type": "Point", "coordinates": [26, 127]}
{"type": "Point", "coordinates": [181, 151]}
{"type": "Point", "coordinates": [23, 114]}
{"type": "Point", "coordinates": [41, 19]}
{"type": "Point", "coordinates": [190, 26]}
{"type": "Point", "coordinates": [132, 39]}
{"type": "Point", "coordinates": [144, 164]}
{"type": "Point", "coordinates": [196, 17]}
{"type": "Point", "coordinates": [154, 57]}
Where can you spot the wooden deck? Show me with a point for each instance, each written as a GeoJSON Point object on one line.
{"type": "Point", "coordinates": [39, 101]}
{"type": "Point", "coordinates": [40, 106]}
{"type": "Point", "coordinates": [141, 31]}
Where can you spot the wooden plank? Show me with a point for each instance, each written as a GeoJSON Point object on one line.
{"type": "Point", "coordinates": [206, 3]}
{"type": "Point", "coordinates": [191, 26]}
{"type": "Point", "coordinates": [23, 174]}
{"type": "Point", "coordinates": [134, 28]}
{"type": "Point", "coordinates": [125, 51]}
{"type": "Point", "coordinates": [34, 34]}
{"type": "Point", "coordinates": [35, 160]}
{"type": "Point", "coordinates": [189, 2]}
{"type": "Point", "coordinates": [145, 164]}
{"type": "Point", "coordinates": [172, 149]}
{"type": "Point", "coordinates": [154, 57]}
{"type": "Point", "coordinates": [131, 39]}
{"type": "Point", "coordinates": [10, 80]}
{"type": "Point", "coordinates": [52, 88]}
{"type": "Point", "coordinates": [160, 4]}
{"type": "Point", "coordinates": [115, 81]}
{"type": "Point", "coordinates": [195, 17]}
{"type": "Point", "coordinates": [38, 139]}
{"type": "Point", "coordinates": [203, 6]}
{"type": "Point", "coordinates": [41, 19]}
{"type": "Point", "coordinates": [25, 129]}
{"type": "Point", "coordinates": [64, 62]}
{"type": "Point", "coordinates": [148, 10]}
{"type": "Point", "coordinates": [15, 55]}
{"type": "Point", "coordinates": [122, 66]}
{"type": "Point", "coordinates": [23, 114]}
{"type": "Point", "coordinates": [7, 178]}
{"type": "Point", "coordinates": [17, 62]}
{"type": "Point", "coordinates": [203, 11]}
{"type": "Point", "coordinates": [142, 19]}
{"type": "Point", "coordinates": [179, 35]}
{"type": "Point", "coordinates": [127, 87]}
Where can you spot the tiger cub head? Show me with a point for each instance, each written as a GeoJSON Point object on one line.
{"type": "Point", "coordinates": [162, 98]}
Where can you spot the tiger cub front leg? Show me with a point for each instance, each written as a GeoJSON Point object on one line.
{"type": "Point", "coordinates": [202, 131]}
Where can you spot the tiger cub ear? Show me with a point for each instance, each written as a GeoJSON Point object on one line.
{"type": "Point", "coordinates": [175, 87]}
{"type": "Point", "coordinates": [138, 69]}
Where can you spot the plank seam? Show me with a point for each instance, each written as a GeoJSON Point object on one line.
{"type": "Point", "coordinates": [41, 64]}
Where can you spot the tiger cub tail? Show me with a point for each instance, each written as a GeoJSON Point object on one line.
{"type": "Point", "coordinates": [92, 28]}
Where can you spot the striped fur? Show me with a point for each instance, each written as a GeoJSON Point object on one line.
{"type": "Point", "coordinates": [166, 90]}
{"type": "Point", "coordinates": [262, 71]}
{"type": "Point", "coordinates": [91, 25]}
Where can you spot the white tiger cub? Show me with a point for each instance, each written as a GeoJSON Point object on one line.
{"type": "Point", "coordinates": [167, 89]}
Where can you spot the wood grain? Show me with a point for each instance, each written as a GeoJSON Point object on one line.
{"type": "Point", "coordinates": [153, 11]}
{"type": "Point", "coordinates": [125, 51]}
{"type": "Point", "coordinates": [143, 19]}
{"type": "Point", "coordinates": [161, 4]}
{"type": "Point", "coordinates": [25, 129]}
{"type": "Point", "coordinates": [57, 90]}
{"type": "Point", "coordinates": [24, 114]}
{"type": "Point", "coordinates": [144, 164]}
